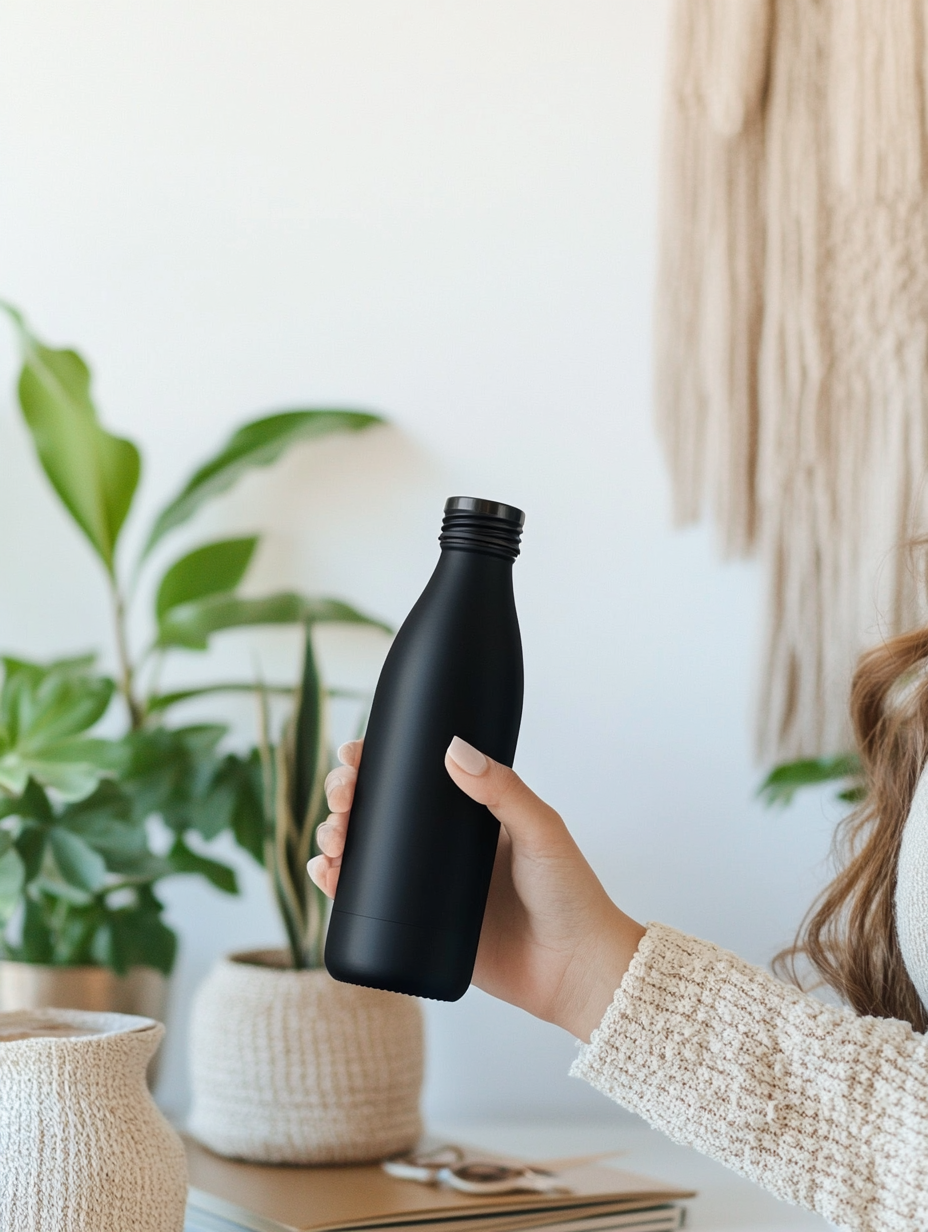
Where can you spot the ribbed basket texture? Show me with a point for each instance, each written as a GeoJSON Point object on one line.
{"type": "Point", "coordinates": [293, 1067]}
{"type": "Point", "coordinates": [83, 1147]}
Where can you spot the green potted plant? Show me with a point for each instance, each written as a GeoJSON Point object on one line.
{"type": "Point", "coordinates": [286, 1064]}
{"type": "Point", "coordinates": [81, 922]}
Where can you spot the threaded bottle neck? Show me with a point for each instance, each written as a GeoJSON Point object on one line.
{"type": "Point", "coordinates": [474, 525]}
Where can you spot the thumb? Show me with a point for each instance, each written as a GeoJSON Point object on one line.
{"type": "Point", "coordinates": [527, 818]}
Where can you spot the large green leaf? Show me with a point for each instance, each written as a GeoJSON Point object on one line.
{"type": "Point", "coordinates": [136, 936]}
{"type": "Point", "coordinates": [71, 778]}
{"type": "Point", "coordinates": [212, 569]}
{"type": "Point", "coordinates": [42, 703]}
{"type": "Point", "coordinates": [248, 820]}
{"type": "Point", "coordinates": [785, 780]}
{"type": "Point", "coordinates": [191, 625]}
{"type": "Point", "coordinates": [37, 944]}
{"type": "Point", "coordinates": [44, 709]}
{"type": "Point", "coordinates": [94, 472]}
{"type": "Point", "coordinates": [30, 844]}
{"type": "Point", "coordinates": [105, 822]}
{"type": "Point", "coordinates": [183, 860]}
{"type": "Point", "coordinates": [171, 772]}
{"type": "Point", "coordinates": [12, 878]}
{"type": "Point", "coordinates": [78, 863]}
{"type": "Point", "coordinates": [258, 443]}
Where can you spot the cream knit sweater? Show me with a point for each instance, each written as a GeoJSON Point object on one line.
{"type": "Point", "coordinates": [825, 1109]}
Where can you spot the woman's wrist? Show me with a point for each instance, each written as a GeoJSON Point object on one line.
{"type": "Point", "coordinates": [599, 971]}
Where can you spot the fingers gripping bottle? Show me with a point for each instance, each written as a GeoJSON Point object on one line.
{"type": "Point", "coordinates": [419, 853]}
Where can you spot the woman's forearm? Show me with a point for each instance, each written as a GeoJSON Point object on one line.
{"type": "Point", "coordinates": [825, 1109]}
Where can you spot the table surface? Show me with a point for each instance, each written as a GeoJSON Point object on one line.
{"type": "Point", "coordinates": [725, 1203]}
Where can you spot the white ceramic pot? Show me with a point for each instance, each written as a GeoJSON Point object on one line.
{"type": "Point", "coordinates": [82, 1144]}
{"type": "Point", "coordinates": [293, 1067]}
{"type": "Point", "coordinates": [34, 986]}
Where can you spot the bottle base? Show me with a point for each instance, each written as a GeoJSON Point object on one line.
{"type": "Point", "coordinates": [437, 963]}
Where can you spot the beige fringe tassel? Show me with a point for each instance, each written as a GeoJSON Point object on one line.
{"type": "Point", "coordinates": [792, 325]}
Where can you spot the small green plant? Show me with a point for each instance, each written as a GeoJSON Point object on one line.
{"type": "Point", "coordinates": [78, 872]}
{"type": "Point", "coordinates": [785, 780]}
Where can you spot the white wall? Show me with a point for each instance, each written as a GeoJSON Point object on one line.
{"type": "Point", "coordinates": [445, 210]}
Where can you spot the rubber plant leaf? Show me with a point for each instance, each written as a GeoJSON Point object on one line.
{"type": "Point", "coordinates": [94, 472]}
{"type": "Point", "coordinates": [214, 568]}
{"type": "Point", "coordinates": [258, 443]}
{"type": "Point", "coordinates": [190, 625]}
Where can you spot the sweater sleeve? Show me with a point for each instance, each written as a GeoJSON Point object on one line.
{"type": "Point", "coordinates": [825, 1109]}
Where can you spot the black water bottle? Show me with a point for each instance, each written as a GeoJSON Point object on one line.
{"type": "Point", "coordinates": [419, 854]}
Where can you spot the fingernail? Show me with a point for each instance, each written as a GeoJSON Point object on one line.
{"type": "Point", "coordinates": [315, 865]}
{"type": "Point", "coordinates": [333, 785]}
{"type": "Point", "coordinates": [471, 760]}
{"type": "Point", "coordinates": [343, 751]}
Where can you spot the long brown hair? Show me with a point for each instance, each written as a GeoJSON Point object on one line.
{"type": "Point", "coordinates": [849, 934]}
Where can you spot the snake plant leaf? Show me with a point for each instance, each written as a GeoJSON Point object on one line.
{"type": "Point", "coordinates": [310, 744]}
{"type": "Point", "coordinates": [258, 443]}
{"type": "Point", "coordinates": [157, 702]}
{"type": "Point", "coordinates": [94, 472]}
{"type": "Point", "coordinates": [190, 625]}
{"type": "Point", "coordinates": [12, 878]}
{"type": "Point", "coordinates": [215, 568]}
{"type": "Point", "coordinates": [77, 862]}
{"type": "Point", "coordinates": [311, 764]}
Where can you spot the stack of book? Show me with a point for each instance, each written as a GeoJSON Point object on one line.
{"type": "Point", "coordinates": [227, 1196]}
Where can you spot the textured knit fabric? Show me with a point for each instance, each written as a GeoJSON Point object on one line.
{"type": "Point", "coordinates": [791, 373]}
{"type": "Point", "coordinates": [912, 891]}
{"type": "Point", "coordinates": [294, 1067]}
{"type": "Point", "coordinates": [825, 1109]}
{"type": "Point", "coordinates": [82, 1146]}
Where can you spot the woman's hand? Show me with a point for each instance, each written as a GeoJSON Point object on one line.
{"type": "Point", "coordinates": [552, 942]}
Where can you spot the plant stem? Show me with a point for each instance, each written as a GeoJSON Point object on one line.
{"type": "Point", "coordinates": [136, 713]}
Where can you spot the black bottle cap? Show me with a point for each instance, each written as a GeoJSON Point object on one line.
{"type": "Point", "coordinates": [492, 509]}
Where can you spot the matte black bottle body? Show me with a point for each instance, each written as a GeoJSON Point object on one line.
{"type": "Point", "coordinates": [419, 855]}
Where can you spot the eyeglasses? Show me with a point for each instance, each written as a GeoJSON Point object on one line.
{"type": "Point", "coordinates": [446, 1165]}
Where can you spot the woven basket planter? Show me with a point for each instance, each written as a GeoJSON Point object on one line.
{"type": "Point", "coordinates": [82, 1146]}
{"type": "Point", "coordinates": [293, 1067]}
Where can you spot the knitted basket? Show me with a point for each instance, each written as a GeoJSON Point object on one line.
{"type": "Point", "coordinates": [293, 1067]}
{"type": "Point", "coordinates": [82, 1146]}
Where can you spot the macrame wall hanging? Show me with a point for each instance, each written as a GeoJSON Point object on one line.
{"type": "Point", "coordinates": [792, 325]}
